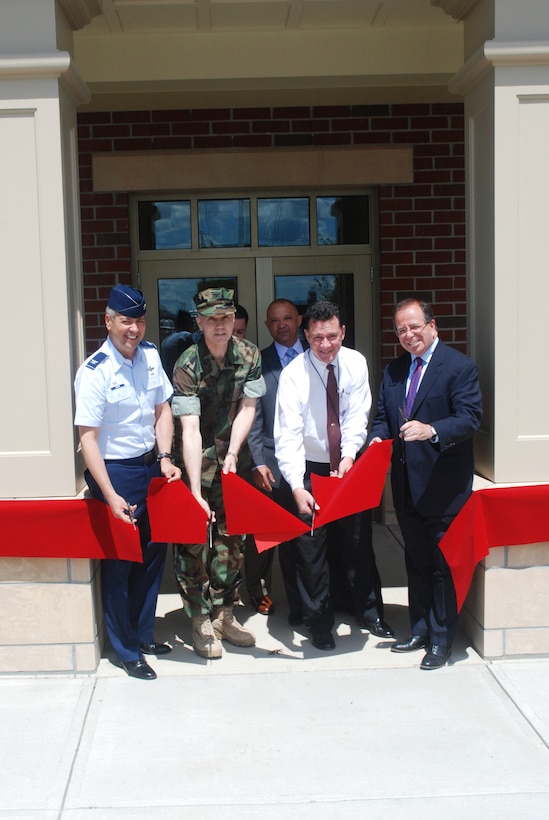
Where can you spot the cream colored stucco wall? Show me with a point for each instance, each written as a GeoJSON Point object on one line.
{"type": "Point", "coordinates": [505, 84]}
{"type": "Point", "coordinates": [49, 608]}
{"type": "Point", "coordinates": [319, 66]}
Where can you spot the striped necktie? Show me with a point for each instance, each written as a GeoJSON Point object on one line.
{"type": "Point", "coordinates": [332, 413]}
{"type": "Point", "coordinates": [289, 356]}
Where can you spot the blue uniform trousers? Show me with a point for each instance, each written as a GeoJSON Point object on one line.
{"type": "Point", "coordinates": [130, 590]}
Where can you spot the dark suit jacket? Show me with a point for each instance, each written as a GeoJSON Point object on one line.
{"type": "Point", "coordinates": [440, 475]}
{"type": "Point", "coordinates": [260, 439]}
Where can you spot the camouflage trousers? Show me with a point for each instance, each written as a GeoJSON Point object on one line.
{"type": "Point", "coordinates": [208, 576]}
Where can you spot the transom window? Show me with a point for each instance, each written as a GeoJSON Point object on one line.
{"type": "Point", "coordinates": [253, 222]}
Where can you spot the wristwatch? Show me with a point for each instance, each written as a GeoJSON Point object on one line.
{"type": "Point", "coordinates": [434, 435]}
{"type": "Point", "coordinates": [160, 456]}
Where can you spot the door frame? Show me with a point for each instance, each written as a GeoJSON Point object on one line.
{"type": "Point", "coordinates": [257, 292]}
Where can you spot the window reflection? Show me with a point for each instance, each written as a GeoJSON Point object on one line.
{"type": "Point", "coordinates": [342, 220]}
{"type": "Point", "coordinates": [164, 225]}
{"type": "Point", "coordinates": [283, 221]}
{"type": "Point", "coordinates": [304, 290]}
{"type": "Point", "coordinates": [176, 295]}
{"type": "Point", "coordinates": [177, 313]}
{"type": "Point", "coordinates": [224, 223]}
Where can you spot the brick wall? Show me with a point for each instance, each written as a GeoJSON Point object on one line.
{"type": "Point", "coordinates": [421, 225]}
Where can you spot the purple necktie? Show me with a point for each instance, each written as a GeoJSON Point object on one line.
{"type": "Point", "coordinates": [332, 412]}
{"type": "Point", "coordinates": [414, 384]}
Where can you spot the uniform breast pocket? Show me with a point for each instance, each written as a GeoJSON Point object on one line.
{"type": "Point", "coordinates": [118, 393]}
{"type": "Point", "coordinates": [155, 381]}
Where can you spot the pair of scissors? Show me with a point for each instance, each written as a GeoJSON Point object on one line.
{"type": "Point", "coordinates": [129, 513]}
{"type": "Point", "coordinates": [210, 531]}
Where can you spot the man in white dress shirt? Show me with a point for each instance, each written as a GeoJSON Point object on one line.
{"type": "Point", "coordinates": [302, 448]}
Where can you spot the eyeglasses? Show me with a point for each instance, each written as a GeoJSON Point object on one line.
{"type": "Point", "coordinates": [315, 341]}
{"type": "Point", "coordinates": [402, 331]}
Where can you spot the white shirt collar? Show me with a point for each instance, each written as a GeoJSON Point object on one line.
{"type": "Point", "coordinates": [282, 350]}
{"type": "Point", "coordinates": [427, 355]}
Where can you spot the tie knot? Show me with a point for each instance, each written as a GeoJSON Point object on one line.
{"type": "Point", "coordinates": [419, 363]}
{"type": "Point", "coordinates": [290, 355]}
{"type": "Point", "coordinates": [330, 366]}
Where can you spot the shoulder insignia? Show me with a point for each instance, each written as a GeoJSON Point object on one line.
{"type": "Point", "coordinates": [95, 360]}
{"type": "Point", "coordinates": [144, 343]}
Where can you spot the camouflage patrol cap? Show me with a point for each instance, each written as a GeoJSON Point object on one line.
{"type": "Point", "coordinates": [214, 301]}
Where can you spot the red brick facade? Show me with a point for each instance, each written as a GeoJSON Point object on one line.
{"type": "Point", "coordinates": [421, 225]}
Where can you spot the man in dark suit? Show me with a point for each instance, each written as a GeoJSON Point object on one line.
{"type": "Point", "coordinates": [430, 404]}
{"type": "Point", "coordinates": [283, 322]}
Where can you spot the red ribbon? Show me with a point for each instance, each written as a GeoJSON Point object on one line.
{"type": "Point", "coordinates": [497, 517]}
{"type": "Point", "coordinates": [73, 528]}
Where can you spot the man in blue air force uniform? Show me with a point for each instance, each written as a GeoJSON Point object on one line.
{"type": "Point", "coordinates": [126, 428]}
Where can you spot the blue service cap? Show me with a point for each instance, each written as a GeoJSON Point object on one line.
{"type": "Point", "coordinates": [127, 301]}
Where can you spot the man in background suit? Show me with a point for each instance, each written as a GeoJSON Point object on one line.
{"type": "Point", "coordinates": [283, 322]}
{"type": "Point", "coordinates": [185, 335]}
{"type": "Point", "coordinates": [432, 466]}
{"type": "Point", "coordinates": [241, 319]}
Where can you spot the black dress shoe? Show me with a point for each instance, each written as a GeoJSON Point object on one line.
{"type": "Point", "coordinates": [378, 627]}
{"type": "Point", "coordinates": [435, 657]}
{"type": "Point", "coordinates": [295, 618]}
{"type": "Point", "coordinates": [410, 644]}
{"type": "Point", "coordinates": [323, 640]}
{"type": "Point", "coordinates": [155, 648]}
{"type": "Point", "coordinates": [136, 669]}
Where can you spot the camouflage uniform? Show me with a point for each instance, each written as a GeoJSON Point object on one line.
{"type": "Point", "coordinates": [207, 578]}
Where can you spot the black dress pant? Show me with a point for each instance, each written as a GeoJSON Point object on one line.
{"type": "Point", "coordinates": [313, 576]}
{"type": "Point", "coordinates": [431, 592]}
{"type": "Point", "coordinates": [355, 585]}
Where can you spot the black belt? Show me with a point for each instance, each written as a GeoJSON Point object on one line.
{"type": "Point", "coordinates": [148, 458]}
{"type": "Point", "coordinates": [317, 467]}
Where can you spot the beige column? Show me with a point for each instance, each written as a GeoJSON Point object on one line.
{"type": "Point", "coordinates": [505, 85]}
{"type": "Point", "coordinates": [48, 609]}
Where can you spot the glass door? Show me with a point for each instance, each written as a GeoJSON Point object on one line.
{"type": "Point", "coordinates": [169, 287]}
{"type": "Point", "coordinates": [345, 280]}
{"type": "Point", "coordinates": [303, 246]}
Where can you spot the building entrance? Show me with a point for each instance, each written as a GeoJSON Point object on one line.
{"type": "Point", "coordinates": [303, 248]}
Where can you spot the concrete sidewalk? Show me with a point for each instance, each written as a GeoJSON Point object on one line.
{"type": "Point", "coordinates": [281, 730]}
